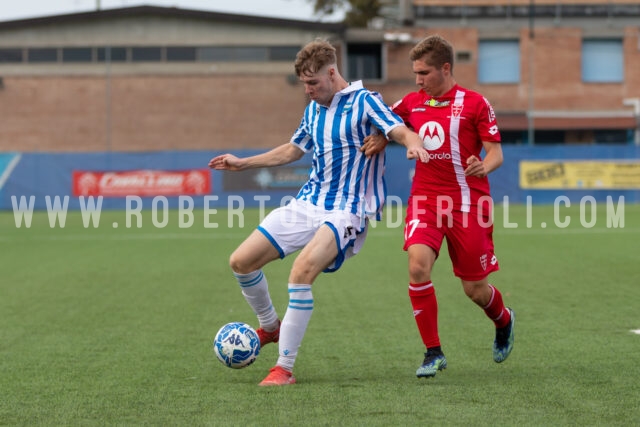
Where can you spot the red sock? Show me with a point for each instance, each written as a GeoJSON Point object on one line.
{"type": "Point", "coordinates": [496, 310]}
{"type": "Point", "coordinates": [425, 311]}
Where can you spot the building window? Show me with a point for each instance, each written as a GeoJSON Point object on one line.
{"type": "Point", "coordinates": [43, 55]}
{"type": "Point", "coordinates": [153, 54]}
{"type": "Point", "coordinates": [184, 54]}
{"type": "Point", "coordinates": [499, 61]}
{"type": "Point", "coordinates": [10, 55]}
{"type": "Point", "coordinates": [283, 53]}
{"type": "Point", "coordinates": [463, 56]}
{"type": "Point", "coordinates": [116, 54]}
{"type": "Point", "coordinates": [602, 61]}
{"type": "Point", "coordinates": [613, 136]}
{"type": "Point", "coordinates": [250, 54]}
{"type": "Point", "coordinates": [146, 54]}
{"type": "Point", "coordinates": [364, 61]}
{"type": "Point", "coordinates": [77, 54]}
{"type": "Point", "coordinates": [549, 136]}
{"type": "Point", "coordinates": [233, 54]}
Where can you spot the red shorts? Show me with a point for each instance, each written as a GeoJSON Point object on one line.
{"type": "Point", "coordinates": [468, 234]}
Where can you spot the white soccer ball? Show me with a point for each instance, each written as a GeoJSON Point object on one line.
{"type": "Point", "coordinates": [236, 345]}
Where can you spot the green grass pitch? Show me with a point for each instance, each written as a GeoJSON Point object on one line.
{"type": "Point", "coordinates": [113, 326]}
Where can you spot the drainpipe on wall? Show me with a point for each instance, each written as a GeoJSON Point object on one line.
{"type": "Point", "coordinates": [635, 103]}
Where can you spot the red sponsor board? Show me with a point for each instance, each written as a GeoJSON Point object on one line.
{"type": "Point", "coordinates": [143, 183]}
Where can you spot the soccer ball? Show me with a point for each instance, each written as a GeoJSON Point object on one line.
{"type": "Point", "coordinates": [236, 345]}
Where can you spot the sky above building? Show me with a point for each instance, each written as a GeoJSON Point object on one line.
{"type": "Point", "coordinates": [287, 9]}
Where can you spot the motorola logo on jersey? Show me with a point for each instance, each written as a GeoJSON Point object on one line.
{"type": "Point", "coordinates": [432, 135]}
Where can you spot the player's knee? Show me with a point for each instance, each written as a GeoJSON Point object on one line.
{"type": "Point", "coordinates": [419, 272]}
{"type": "Point", "coordinates": [476, 291]}
{"type": "Point", "coordinates": [476, 298]}
{"type": "Point", "coordinates": [303, 273]}
{"type": "Point", "coordinates": [238, 264]}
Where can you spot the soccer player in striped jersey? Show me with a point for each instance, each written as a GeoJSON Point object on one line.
{"type": "Point", "coordinates": [450, 197]}
{"type": "Point", "coordinates": [327, 221]}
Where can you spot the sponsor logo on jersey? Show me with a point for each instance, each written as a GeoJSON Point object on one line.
{"type": "Point", "coordinates": [492, 114]}
{"type": "Point", "coordinates": [439, 156]}
{"type": "Point", "coordinates": [438, 104]}
{"type": "Point", "coordinates": [432, 135]}
{"type": "Point", "coordinates": [493, 130]}
{"type": "Point", "coordinates": [419, 110]}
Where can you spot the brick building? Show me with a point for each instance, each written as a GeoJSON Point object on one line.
{"type": "Point", "coordinates": [153, 78]}
{"type": "Point", "coordinates": [570, 69]}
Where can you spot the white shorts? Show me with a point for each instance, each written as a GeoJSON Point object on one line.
{"type": "Point", "coordinates": [289, 228]}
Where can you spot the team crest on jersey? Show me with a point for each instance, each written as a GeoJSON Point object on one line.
{"type": "Point", "coordinates": [432, 135]}
{"type": "Point", "coordinates": [456, 110]}
{"type": "Point", "coordinates": [483, 261]}
{"type": "Point", "coordinates": [347, 108]}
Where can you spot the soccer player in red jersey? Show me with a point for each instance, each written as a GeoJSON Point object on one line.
{"type": "Point", "coordinates": [450, 196]}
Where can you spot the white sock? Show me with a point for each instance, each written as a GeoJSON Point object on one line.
{"type": "Point", "coordinates": [256, 291]}
{"type": "Point", "coordinates": [294, 324]}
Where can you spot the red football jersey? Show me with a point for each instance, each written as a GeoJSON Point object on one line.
{"type": "Point", "coordinates": [452, 127]}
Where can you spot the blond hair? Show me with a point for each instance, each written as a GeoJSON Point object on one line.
{"type": "Point", "coordinates": [315, 56]}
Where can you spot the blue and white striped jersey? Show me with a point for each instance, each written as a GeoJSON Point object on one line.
{"type": "Point", "coordinates": [341, 176]}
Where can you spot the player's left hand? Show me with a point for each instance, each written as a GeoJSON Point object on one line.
{"type": "Point", "coordinates": [475, 167]}
{"type": "Point", "coordinates": [374, 144]}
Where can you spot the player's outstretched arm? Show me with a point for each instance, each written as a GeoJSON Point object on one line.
{"type": "Point", "coordinates": [283, 154]}
{"type": "Point", "coordinates": [411, 141]}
